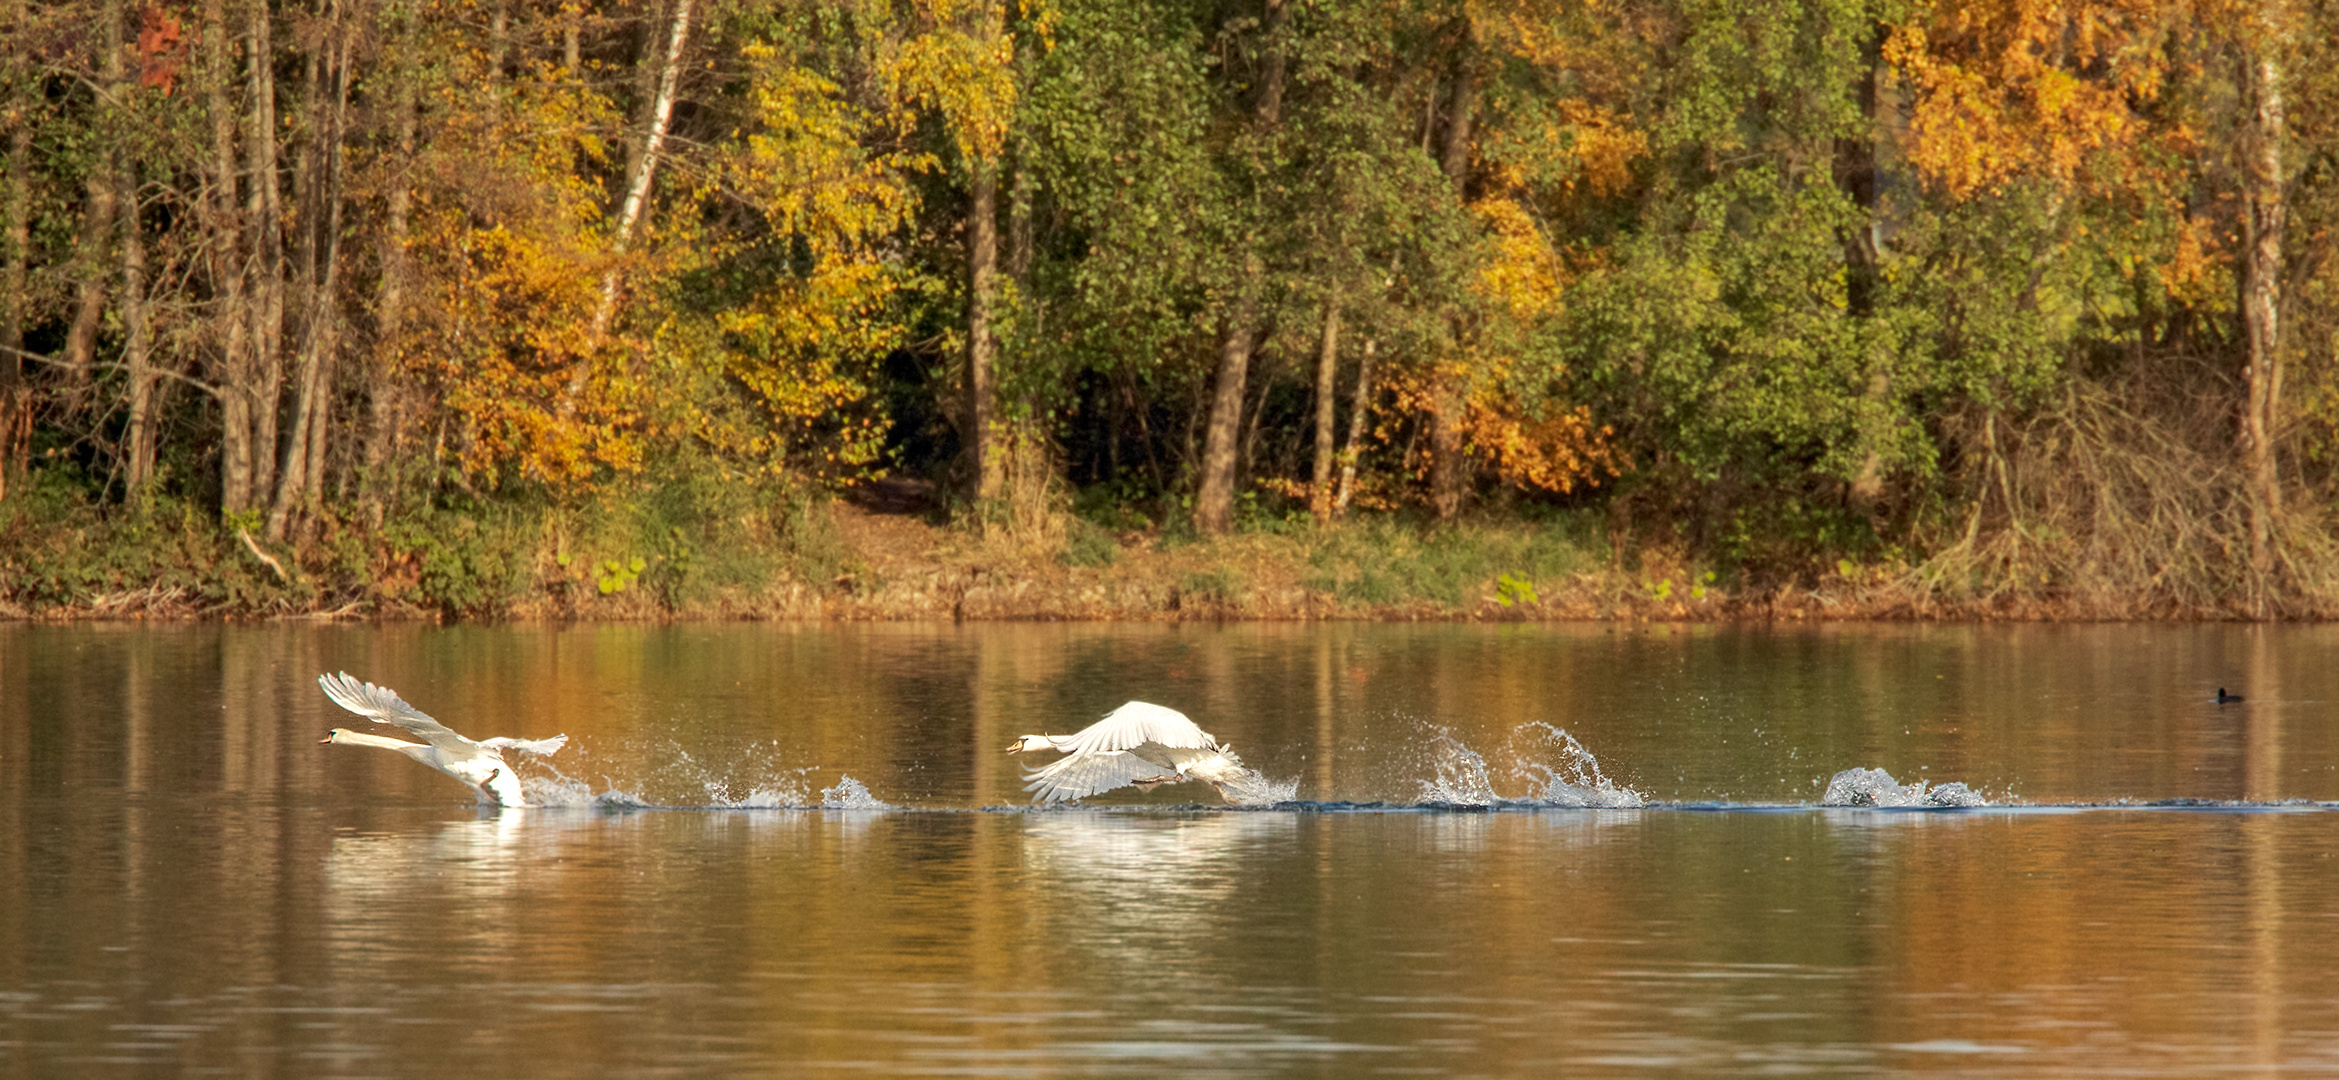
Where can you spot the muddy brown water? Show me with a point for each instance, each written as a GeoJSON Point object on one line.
{"type": "Point", "coordinates": [800, 850]}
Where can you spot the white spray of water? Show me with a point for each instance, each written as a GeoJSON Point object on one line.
{"type": "Point", "coordinates": [1575, 780]}
{"type": "Point", "coordinates": [562, 790]}
{"type": "Point", "coordinates": [1248, 787]}
{"type": "Point", "coordinates": [664, 773]}
{"type": "Point", "coordinates": [1558, 770]}
{"type": "Point", "coordinates": [851, 794]}
{"type": "Point", "coordinates": [1462, 778]}
{"type": "Point", "coordinates": [1875, 787]}
{"type": "Point", "coordinates": [676, 778]}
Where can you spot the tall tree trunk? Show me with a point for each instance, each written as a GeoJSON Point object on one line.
{"type": "Point", "coordinates": [1271, 65]}
{"type": "Point", "coordinates": [301, 482]}
{"type": "Point", "coordinates": [1448, 398]}
{"type": "Point", "coordinates": [572, 44]}
{"type": "Point", "coordinates": [1214, 503]}
{"type": "Point", "coordinates": [264, 208]}
{"type": "Point", "coordinates": [385, 392]}
{"type": "Point", "coordinates": [1856, 174]}
{"type": "Point", "coordinates": [499, 42]}
{"type": "Point", "coordinates": [1357, 415]}
{"type": "Point", "coordinates": [642, 170]}
{"type": "Point", "coordinates": [137, 345]}
{"type": "Point", "coordinates": [93, 265]}
{"type": "Point", "coordinates": [89, 294]}
{"type": "Point", "coordinates": [2261, 308]}
{"type": "Point", "coordinates": [1327, 408]}
{"type": "Point", "coordinates": [1214, 500]}
{"type": "Point", "coordinates": [15, 391]}
{"type": "Point", "coordinates": [982, 258]}
{"type": "Point", "coordinates": [639, 173]}
{"type": "Point", "coordinates": [228, 265]}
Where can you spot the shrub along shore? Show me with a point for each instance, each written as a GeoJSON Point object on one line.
{"type": "Point", "coordinates": [815, 558]}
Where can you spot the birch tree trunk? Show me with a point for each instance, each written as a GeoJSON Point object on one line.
{"type": "Point", "coordinates": [1327, 408]}
{"type": "Point", "coordinates": [2261, 307]}
{"type": "Point", "coordinates": [572, 46]}
{"type": "Point", "coordinates": [639, 174]}
{"type": "Point", "coordinates": [642, 171]}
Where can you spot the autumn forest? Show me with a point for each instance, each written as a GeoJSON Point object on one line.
{"type": "Point", "coordinates": [1965, 306]}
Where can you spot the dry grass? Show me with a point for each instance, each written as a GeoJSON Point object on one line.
{"type": "Point", "coordinates": [2120, 501]}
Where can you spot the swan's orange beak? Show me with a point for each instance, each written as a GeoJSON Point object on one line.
{"type": "Point", "coordinates": [1015, 747]}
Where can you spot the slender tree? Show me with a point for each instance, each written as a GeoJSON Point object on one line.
{"type": "Point", "coordinates": [1214, 501]}
{"type": "Point", "coordinates": [2262, 270]}
{"type": "Point", "coordinates": [1327, 386]}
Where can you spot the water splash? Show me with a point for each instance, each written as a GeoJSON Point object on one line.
{"type": "Point", "coordinates": [770, 795]}
{"type": "Point", "coordinates": [1574, 781]}
{"type": "Point", "coordinates": [1249, 787]}
{"type": "Point", "coordinates": [1558, 771]}
{"type": "Point", "coordinates": [851, 794]}
{"type": "Point", "coordinates": [751, 782]}
{"type": "Point", "coordinates": [662, 772]}
{"type": "Point", "coordinates": [563, 790]}
{"type": "Point", "coordinates": [1462, 778]}
{"type": "Point", "coordinates": [1875, 787]}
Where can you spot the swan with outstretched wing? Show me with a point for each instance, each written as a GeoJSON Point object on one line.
{"type": "Point", "coordinates": [479, 765]}
{"type": "Point", "coordinates": [1139, 744]}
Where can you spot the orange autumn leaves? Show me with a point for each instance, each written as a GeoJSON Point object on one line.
{"type": "Point", "coordinates": [2010, 89]}
{"type": "Point", "coordinates": [2096, 100]}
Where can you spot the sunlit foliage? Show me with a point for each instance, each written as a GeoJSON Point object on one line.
{"type": "Point", "coordinates": [1779, 280]}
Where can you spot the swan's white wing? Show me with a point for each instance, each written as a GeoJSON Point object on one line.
{"type": "Point", "coordinates": [382, 705]}
{"type": "Point", "coordinates": [1134, 725]}
{"type": "Point", "coordinates": [538, 747]}
{"type": "Point", "coordinates": [1087, 774]}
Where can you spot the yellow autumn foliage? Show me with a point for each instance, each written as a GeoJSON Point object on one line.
{"type": "Point", "coordinates": [2038, 88]}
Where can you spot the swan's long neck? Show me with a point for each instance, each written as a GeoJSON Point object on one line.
{"type": "Point", "coordinates": [347, 737]}
{"type": "Point", "coordinates": [502, 788]}
{"type": "Point", "coordinates": [1029, 743]}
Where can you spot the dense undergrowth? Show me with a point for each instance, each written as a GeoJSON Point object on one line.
{"type": "Point", "coordinates": [694, 547]}
{"type": "Point", "coordinates": [664, 547]}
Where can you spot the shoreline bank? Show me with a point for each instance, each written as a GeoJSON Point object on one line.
{"type": "Point", "coordinates": [874, 566]}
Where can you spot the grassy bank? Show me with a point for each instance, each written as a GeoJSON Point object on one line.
{"type": "Point", "coordinates": [708, 551]}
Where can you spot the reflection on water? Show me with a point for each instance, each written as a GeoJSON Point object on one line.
{"type": "Point", "coordinates": [1146, 895]}
{"type": "Point", "coordinates": [772, 715]}
{"type": "Point", "coordinates": [188, 883]}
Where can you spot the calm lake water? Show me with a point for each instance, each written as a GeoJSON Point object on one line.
{"type": "Point", "coordinates": [191, 885]}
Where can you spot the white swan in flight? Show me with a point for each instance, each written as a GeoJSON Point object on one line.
{"type": "Point", "coordinates": [479, 765]}
{"type": "Point", "coordinates": [1139, 743]}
